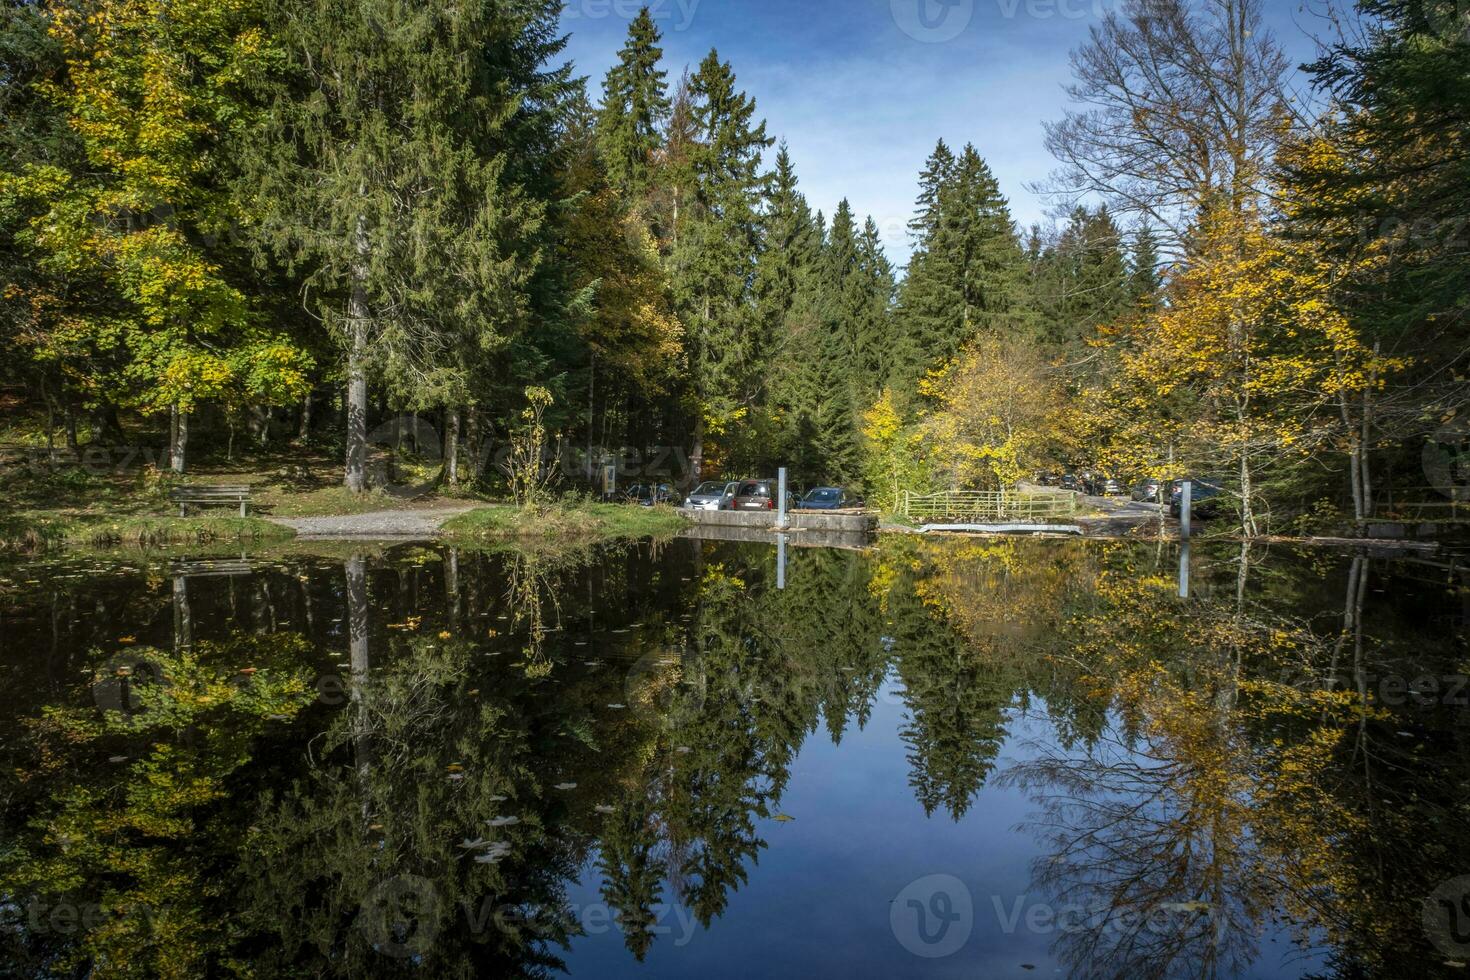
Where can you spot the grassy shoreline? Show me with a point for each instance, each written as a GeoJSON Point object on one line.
{"type": "Point", "coordinates": [25, 534]}
{"type": "Point", "coordinates": [574, 522]}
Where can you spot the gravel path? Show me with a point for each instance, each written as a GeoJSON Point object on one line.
{"type": "Point", "coordinates": [419, 523]}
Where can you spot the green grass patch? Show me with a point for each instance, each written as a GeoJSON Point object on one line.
{"type": "Point", "coordinates": [575, 521]}
{"type": "Point", "coordinates": [27, 534]}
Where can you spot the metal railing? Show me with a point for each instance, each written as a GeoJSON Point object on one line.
{"type": "Point", "coordinates": [1423, 504]}
{"type": "Point", "coordinates": [989, 505]}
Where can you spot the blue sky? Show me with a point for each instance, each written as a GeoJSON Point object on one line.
{"type": "Point", "coordinates": [861, 89]}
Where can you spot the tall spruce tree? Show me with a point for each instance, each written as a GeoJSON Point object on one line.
{"type": "Point", "coordinates": [1081, 282]}
{"type": "Point", "coordinates": [842, 305]}
{"type": "Point", "coordinates": [1144, 279]}
{"type": "Point", "coordinates": [874, 332]}
{"type": "Point", "coordinates": [787, 306]}
{"type": "Point", "coordinates": [967, 274]}
{"type": "Point", "coordinates": [635, 105]}
{"type": "Point", "coordinates": [718, 245]}
{"type": "Point", "coordinates": [938, 170]}
{"type": "Point", "coordinates": [397, 169]}
{"type": "Point", "coordinates": [790, 245]}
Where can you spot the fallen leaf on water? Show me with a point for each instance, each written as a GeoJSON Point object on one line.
{"type": "Point", "coordinates": [784, 818]}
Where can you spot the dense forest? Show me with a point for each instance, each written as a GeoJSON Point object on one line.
{"type": "Point", "coordinates": [264, 222]}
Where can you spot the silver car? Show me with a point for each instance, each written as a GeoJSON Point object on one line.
{"type": "Point", "coordinates": [711, 495]}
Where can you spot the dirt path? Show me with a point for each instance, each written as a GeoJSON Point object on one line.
{"type": "Point", "coordinates": [417, 523]}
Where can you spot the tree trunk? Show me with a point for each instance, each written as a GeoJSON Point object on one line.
{"type": "Point", "coordinates": [696, 459]}
{"type": "Point", "coordinates": [105, 426]}
{"type": "Point", "coordinates": [1365, 440]}
{"type": "Point", "coordinates": [591, 395]}
{"type": "Point", "coordinates": [472, 440]}
{"type": "Point", "coordinates": [357, 315]}
{"type": "Point", "coordinates": [451, 446]}
{"type": "Point", "coordinates": [71, 424]}
{"type": "Point", "coordinates": [355, 477]}
{"type": "Point", "coordinates": [1247, 510]}
{"type": "Point", "coordinates": [260, 424]}
{"type": "Point", "coordinates": [178, 438]}
{"type": "Point", "coordinates": [1355, 469]}
{"type": "Point", "coordinates": [304, 432]}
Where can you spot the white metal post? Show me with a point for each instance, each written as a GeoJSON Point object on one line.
{"type": "Point", "coordinates": [780, 561]}
{"type": "Point", "coordinates": [1186, 491]}
{"type": "Point", "coordinates": [781, 497]}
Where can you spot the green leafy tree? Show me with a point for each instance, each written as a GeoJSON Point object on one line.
{"type": "Point", "coordinates": [156, 97]}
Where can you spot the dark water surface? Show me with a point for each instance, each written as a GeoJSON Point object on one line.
{"type": "Point", "coordinates": [981, 758]}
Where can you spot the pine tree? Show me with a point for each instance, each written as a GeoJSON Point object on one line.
{"type": "Point", "coordinates": [635, 105]}
{"type": "Point", "coordinates": [399, 167]}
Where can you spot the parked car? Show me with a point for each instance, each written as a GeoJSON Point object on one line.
{"type": "Point", "coordinates": [827, 498]}
{"type": "Point", "coordinates": [711, 495]}
{"type": "Point", "coordinates": [1147, 490]}
{"type": "Point", "coordinates": [1069, 481]}
{"type": "Point", "coordinates": [1204, 498]}
{"type": "Point", "coordinates": [1105, 486]}
{"type": "Point", "coordinates": [758, 495]}
{"type": "Point", "coordinates": [648, 494]}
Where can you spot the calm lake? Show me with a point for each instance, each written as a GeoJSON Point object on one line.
{"type": "Point", "coordinates": [979, 758]}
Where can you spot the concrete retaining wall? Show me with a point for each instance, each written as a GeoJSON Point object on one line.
{"type": "Point", "coordinates": [843, 521]}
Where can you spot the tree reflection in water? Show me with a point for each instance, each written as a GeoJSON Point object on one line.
{"type": "Point", "coordinates": [488, 730]}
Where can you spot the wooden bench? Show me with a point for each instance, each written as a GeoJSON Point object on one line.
{"type": "Point", "coordinates": [210, 495]}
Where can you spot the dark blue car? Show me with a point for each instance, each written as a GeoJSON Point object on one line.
{"type": "Point", "coordinates": [827, 498]}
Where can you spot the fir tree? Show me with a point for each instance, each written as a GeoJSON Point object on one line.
{"type": "Point", "coordinates": [416, 217]}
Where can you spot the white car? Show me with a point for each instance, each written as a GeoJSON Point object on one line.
{"type": "Point", "coordinates": [711, 495]}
